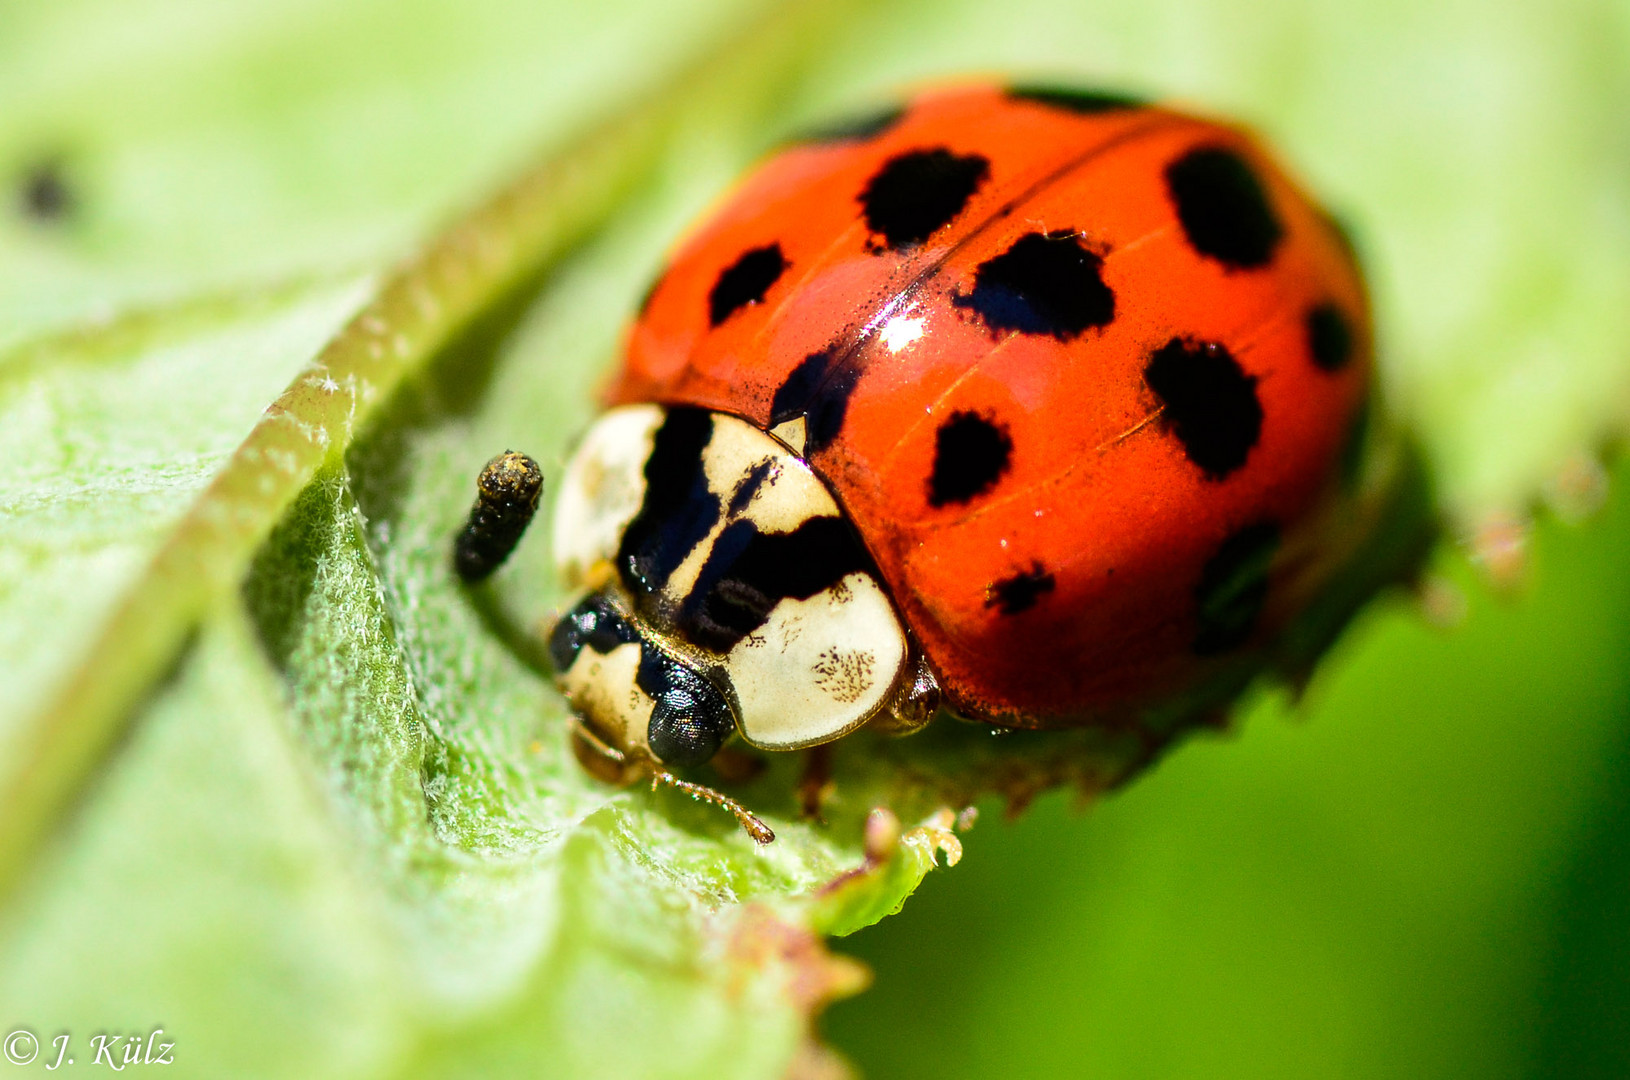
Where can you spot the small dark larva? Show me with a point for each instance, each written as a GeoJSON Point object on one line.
{"type": "Point", "coordinates": [506, 499]}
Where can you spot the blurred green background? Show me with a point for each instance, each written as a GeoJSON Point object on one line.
{"type": "Point", "coordinates": [1423, 870]}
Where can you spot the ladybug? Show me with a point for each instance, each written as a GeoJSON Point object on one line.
{"type": "Point", "coordinates": [1029, 403]}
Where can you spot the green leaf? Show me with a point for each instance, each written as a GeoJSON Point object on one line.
{"type": "Point", "coordinates": [109, 437]}
{"type": "Point", "coordinates": [262, 757]}
{"type": "Point", "coordinates": [452, 833]}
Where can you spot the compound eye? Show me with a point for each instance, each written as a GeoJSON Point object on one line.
{"type": "Point", "coordinates": [691, 718]}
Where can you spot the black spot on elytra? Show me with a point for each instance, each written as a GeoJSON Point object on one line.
{"type": "Point", "coordinates": [1210, 403]}
{"type": "Point", "coordinates": [745, 281]}
{"type": "Point", "coordinates": [1233, 587]}
{"type": "Point", "coordinates": [971, 453]}
{"type": "Point", "coordinates": [748, 572]}
{"type": "Point", "coordinates": [1046, 283]}
{"type": "Point", "coordinates": [691, 718]}
{"type": "Point", "coordinates": [857, 128]}
{"type": "Point", "coordinates": [44, 193]}
{"type": "Point", "coordinates": [915, 193]}
{"type": "Point", "coordinates": [1222, 207]}
{"type": "Point", "coordinates": [678, 510]}
{"type": "Point", "coordinates": [818, 389]}
{"type": "Point", "coordinates": [1329, 338]}
{"type": "Point", "coordinates": [793, 396]}
{"type": "Point", "coordinates": [1019, 593]}
{"type": "Point", "coordinates": [1082, 102]}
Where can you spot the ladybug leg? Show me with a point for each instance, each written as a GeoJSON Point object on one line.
{"type": "Point", "coordinates": [914, 703]}
{"type": "Point", "coordinates": [816, 783]}
{"type": "Point", "coordinates": [602, 760]}
{"type": "Point", "coordinates": [606, 762]}
{"type": "Point", "coordinates": [750, 823]}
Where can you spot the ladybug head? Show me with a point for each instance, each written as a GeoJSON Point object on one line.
{"type": "Point", "coordinates": [726, 593]}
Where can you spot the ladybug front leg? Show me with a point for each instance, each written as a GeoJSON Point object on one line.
{"type": "Point", "coordinates": [815, 785]}
{"type": "Point", "coordinates": [750, 822]}
{"type": "Point", "coordinates": [605, 762]}
{"type": "Point", "coordinates": [602, 760]}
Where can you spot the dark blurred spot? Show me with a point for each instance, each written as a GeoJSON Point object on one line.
{"type": "Point", "coordinates": [1075, 100]}
{"type": "Point", "coordinates": [44, 193]}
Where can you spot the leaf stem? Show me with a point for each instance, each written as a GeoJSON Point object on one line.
{"type": "Point", "coordinates": [499, 246]}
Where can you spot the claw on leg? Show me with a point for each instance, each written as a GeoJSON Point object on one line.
{"type": "Point", "coordinates": [760, 832]}
{"type": "Point", "coordinates": [615, 767]}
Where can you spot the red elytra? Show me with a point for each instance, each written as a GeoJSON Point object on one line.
{"type": "Point", "coordinates": [1079, 370]}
